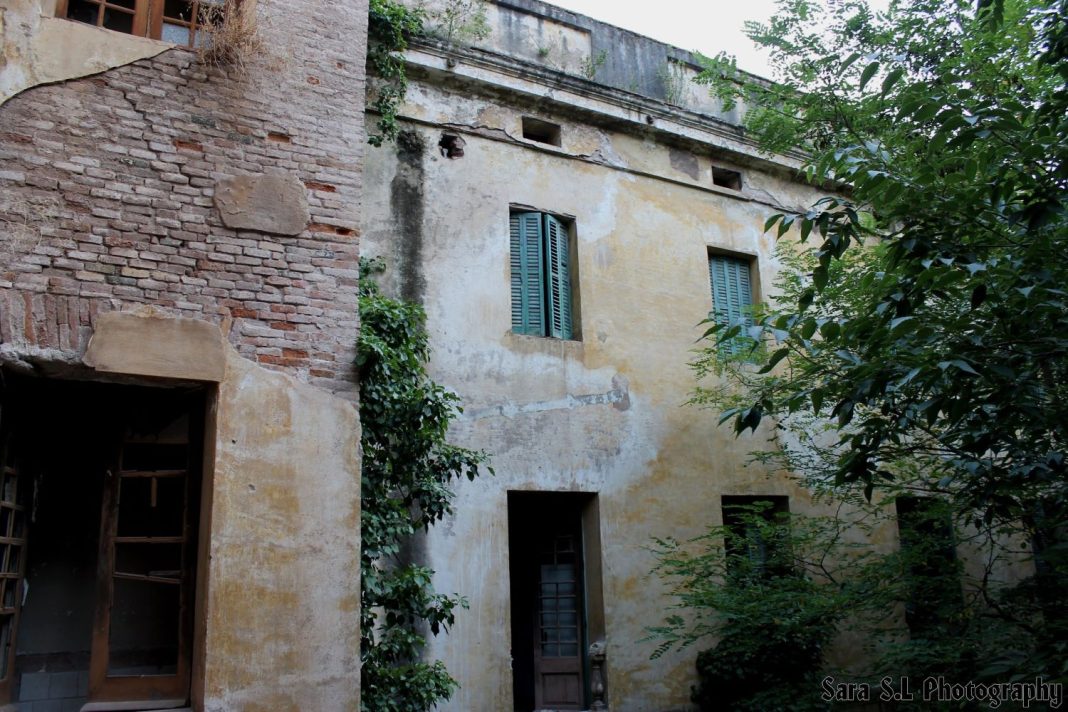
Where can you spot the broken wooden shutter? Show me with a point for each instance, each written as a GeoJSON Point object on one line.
{"type": "Point", "coordinates": [559, 272]}
{"type": "Point", "coordinates": [528, 310]}
{"type": "Point", "coordinates": [732, 294]}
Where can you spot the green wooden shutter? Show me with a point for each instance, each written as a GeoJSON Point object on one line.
{"type": "Point", "coordinates": [559, 272]}
{"type": "Point", "coordinates": [528, 311]}
{"type": "Point", "coordinates": [732, 294]}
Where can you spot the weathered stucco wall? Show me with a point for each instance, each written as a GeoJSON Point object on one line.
{"type": "Point", "coordinates": [282, 608]}
{"type": "Point", "coordinates": [563, 41]}
{"type": "Point", "coordinates": [602, 413]}
{"type": "Point", "coordinates": [277, 620]}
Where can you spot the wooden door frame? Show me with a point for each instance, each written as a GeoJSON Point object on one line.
{"type": "Point", "coordinates": [9, 463]}
{"type": "Point", "coordinates": [565, 664]}
{"type": "Point", "coordinates": [151, 690]}
{"type": "Point", "coordinates": [587, 507]}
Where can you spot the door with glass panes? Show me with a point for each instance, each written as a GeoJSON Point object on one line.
{"type": "Point", "coordinates": [142, 627]}
{"type": "Point", "coordinates": [558, 639]}
{"type": "Point", "coordinates": [13, 512]}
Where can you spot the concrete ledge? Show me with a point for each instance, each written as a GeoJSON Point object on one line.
{"type": "Point", "coordinates": [149, 343]}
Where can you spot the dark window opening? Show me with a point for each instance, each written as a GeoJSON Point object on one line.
{"type": "Point", "coordinates": [726, 178]}
{"type": "Point", "coordinates": [755, 540]}
{"type": "Point", "coordinates": [554, 572]}
{"type": "Point", "coordinates": [929, 552]}
{"type": "Point", "coordinates": [183, 22]}
{"type": "Point", "coordinates": [541, 131]}
{"type": "Point", "coordinates": [451, 145]}
{"type": "Point", "coordinates": [105, 483]}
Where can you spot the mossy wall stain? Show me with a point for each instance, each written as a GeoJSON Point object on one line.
{"type": "Point", "coordinates": [406, 201]}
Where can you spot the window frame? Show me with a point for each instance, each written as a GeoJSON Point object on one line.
{"type": "Point", "coordinates": [148, 18]}
{"type": "Point", "coordinates": [765, 557]}
{"type": "Point", "coordinates": [927, 539]}
{"type": "Point", "coordinates": [727, 316]}
{"type": "Point", "coordinates": [543, 280]}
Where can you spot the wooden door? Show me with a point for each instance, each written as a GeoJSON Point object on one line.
{"type": "Point", "coordinates": [14, 502]}
{"type": "Point", "coordinates": [143, 623]}
{"type": "Point", "coordinates": [558, 625]}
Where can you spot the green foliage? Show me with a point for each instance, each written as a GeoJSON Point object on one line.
{"type": "Point", "coordinates": [919, 340]}
{"type": "Point", "coordinates": [591, 65]}
{"type": "Point", "coordinates": [407, 470]}
{"type": "Point", "coordinates": [771, 618]}
{"type": "Point", "coordinates": [772, 615]}
{"type": "Point", "coordinates": [950, 128]}
{"type": "Point", "coordinates": [390, 26]}
{"type": "Point", "coordinates": [672, 76]}
{"type": "Point", "coordinates": [462, 21]}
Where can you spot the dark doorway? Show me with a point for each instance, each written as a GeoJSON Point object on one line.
{"type": "Point", "coordinates": [552, 552]}
{"type": "Point", "coordinates": [104, 491]}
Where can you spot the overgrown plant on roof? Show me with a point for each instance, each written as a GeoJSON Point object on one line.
{"type": "Point", "coordinates": [233, 34]}
{"type": "Point", "coordinates": [460, 21]}
{"type": "Point", "coordinates": [589, 66]}
{"type": "Point", "coordinates": [408, 470]}
{"type": "Point", "coordinates": [390, 26]}
{"type": "Point", "coordinates": [672, 76]}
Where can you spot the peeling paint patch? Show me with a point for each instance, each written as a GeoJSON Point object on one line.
{"type": "Point", "coordinates": [618, 397]}
{"type": "Point", "coordinates": [38, 49]}
{"type": "Point", "coordinates": [685, 162]}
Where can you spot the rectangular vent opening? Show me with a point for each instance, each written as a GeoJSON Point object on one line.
{"type": "Point", "coordinates": [725, 178]}
{"type": "Point", "coordinates": [541, 131]}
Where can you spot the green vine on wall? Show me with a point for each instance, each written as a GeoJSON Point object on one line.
{"type": "Point", "coordinates": [407, 474]}
{"type": "Point", "coordinates": [390, 26]}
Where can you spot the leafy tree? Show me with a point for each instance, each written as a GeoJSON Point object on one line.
{"type": "Point", "coordinates": [774, 593]}
{"type": "Point", "coordinates": [407, 470]}
{"type": "Point", "coordinates": [950, 128]}
{"type": "Point", "coordinates": [922, 344]}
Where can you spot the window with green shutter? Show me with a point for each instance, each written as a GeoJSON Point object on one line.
{"type": "Point", "coordinates": [732, 296]}
{"type": "Point", "coordinates": [541, 276]}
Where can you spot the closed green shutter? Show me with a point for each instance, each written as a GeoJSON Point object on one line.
{"type": "Point", "coordinates": [528, 279]}
{"type": "Point", "coordinates": [732, 294]}
{"type": "Point", "coordinates": [559, 286]}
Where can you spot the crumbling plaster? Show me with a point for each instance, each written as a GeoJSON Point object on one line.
{"type": "Point", "coordinates": [39, 48]}
{"type": "Point", "coordinates": [282, 607]}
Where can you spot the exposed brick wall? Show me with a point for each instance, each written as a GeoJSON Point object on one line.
{"type": "Point", "coordinates": [106, 188]}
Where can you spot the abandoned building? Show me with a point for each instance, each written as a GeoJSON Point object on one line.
{"type": "Point", "coordinates": [568, 206]}
{"type": "Point", "coordinates": [179, 442]}
{"type": "Point", "coordinates": [180, 446]}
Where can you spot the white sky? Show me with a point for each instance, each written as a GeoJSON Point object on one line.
{"type": "Point", "coordinates": [709, 26]}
